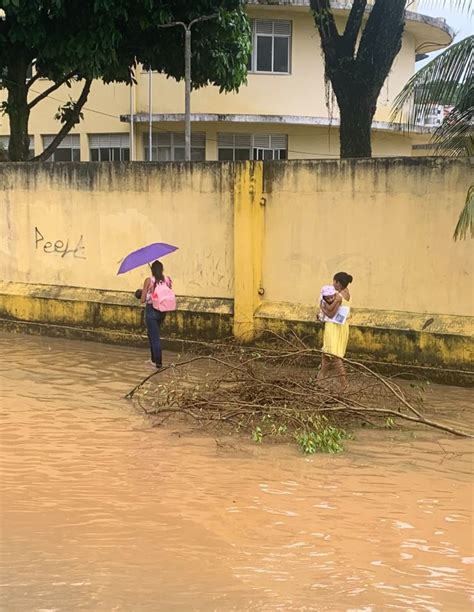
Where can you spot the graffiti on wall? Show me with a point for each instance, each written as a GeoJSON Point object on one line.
{"type": "Point", "coordinates": [60, 247]}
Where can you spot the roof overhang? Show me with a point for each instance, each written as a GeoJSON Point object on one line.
{"type": "Point", "coordinates": [308, 121]}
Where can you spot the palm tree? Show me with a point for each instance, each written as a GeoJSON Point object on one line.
{"type": "Point", "coordinates": [447, 80]}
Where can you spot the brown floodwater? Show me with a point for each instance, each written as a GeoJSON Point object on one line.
{"type": "Point", "coordinates": [102, 511]}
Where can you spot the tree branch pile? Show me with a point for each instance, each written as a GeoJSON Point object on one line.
{"type": "Point", "coordinates": [274, 393]}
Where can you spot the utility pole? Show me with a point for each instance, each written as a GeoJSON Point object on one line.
{"type": "Point", "coordinates": [187, 93]}
{"type": "Point", "coordinates": [187, 76]}
{"type": "Point", "coordinates": [150, 116]}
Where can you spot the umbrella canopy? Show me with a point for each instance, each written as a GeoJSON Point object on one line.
{"type": "Point", "coordinates": [145, 255]}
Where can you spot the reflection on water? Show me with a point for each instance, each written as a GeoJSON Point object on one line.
{"type": "Point", "coordinates": [100, 511]}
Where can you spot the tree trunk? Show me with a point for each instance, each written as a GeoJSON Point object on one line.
{"type": "Point", "coordinates": [17, 110]}
{"type": "Point", "coordinates": [357, 71]}
{"type": "Point", "coordinates": [355, 128]}
{"type": "Point", "coordinates": [74, 117]}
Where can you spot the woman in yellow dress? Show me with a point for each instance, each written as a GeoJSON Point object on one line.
{"type": "Point", "coordinates": [336, 334]}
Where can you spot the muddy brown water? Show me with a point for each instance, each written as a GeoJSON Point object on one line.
{"type": "Point", "coordinates": [101, 511]}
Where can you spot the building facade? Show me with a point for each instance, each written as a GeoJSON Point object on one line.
{"type": "Point", "coordinates": [283, 112]}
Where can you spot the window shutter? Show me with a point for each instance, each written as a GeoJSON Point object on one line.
{"type": "Point", "coordinates": [225, 139]}
{"type": "Point", "coordinates": [198, 139]}
{"type": "Point", "coordinates": [261, 141]}
{"type": "Point", "coordinates": [178, 139]}
{"type": "Point", "coordinates": [243, 141]}
{"type": "Point", "coordinates": [71, 141]}
{"type": "Point", "coordinates": [160, 139]}
{"type": "Point", "coordinates": [279, 141]}
{"type": "Point", "coordinates": [282, 28]}
{"type": "Point", "coordinates": [104, 141]}
{"type": "Point", "coordinates": [264, 26]}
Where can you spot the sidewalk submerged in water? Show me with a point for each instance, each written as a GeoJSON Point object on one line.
{"type": "Point", "coordinates": [435, 347]}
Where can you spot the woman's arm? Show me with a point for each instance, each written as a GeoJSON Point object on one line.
{"type": "Point", "coordinates": [146, 284]}
{"type": "Point", "coordinates": [331, 309]}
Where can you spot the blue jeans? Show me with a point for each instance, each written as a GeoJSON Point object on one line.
{"type": "Point", "coordinates": [153, 320]}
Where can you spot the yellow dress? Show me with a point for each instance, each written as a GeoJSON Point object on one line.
{"type": "Point", "coordinates": [336, 336]}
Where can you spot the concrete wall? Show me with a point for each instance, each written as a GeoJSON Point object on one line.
{"type": "Point", "coordinates": [256, 243]}
{"type": "Point", "coordinates": [389, 223]}
{"type": "Point", "coordinates": [103, 211]}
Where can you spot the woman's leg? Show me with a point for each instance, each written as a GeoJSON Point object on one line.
{"type": "Point", "coordinates": [157, 344]}
{"type": "Point", "coordinates": [145, 320]}
{"type": "Point", "coordinates": [325, 363]}
{"type": "Point", "coordinates": [341, 372]}
{"type": "Point", "coordinates": [152, 357]}
{"type": "Point", "coordinates": [153, 320]}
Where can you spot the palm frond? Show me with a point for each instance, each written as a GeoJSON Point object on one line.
{"type": "Point", "coordinates": [449, 76]}
{"type": "Point", "coordinates": [463, 6]}
{"type": "Point", "coordinates": [455, 136]}
{"type": "Point", "coordinates": [466, 219]}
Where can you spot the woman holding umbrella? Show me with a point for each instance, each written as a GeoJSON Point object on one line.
{"type": "Point", "coordinates": [154, 318]}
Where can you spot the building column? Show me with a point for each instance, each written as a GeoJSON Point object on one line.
{"type": "Point", "coordinates": [249, 214]}
{"type": "Point", "coordinates": [84, 143]}
{"type": "Point", "coordinates": [211, 145]}
{"type": "Point", "coordinates": [139, 142]}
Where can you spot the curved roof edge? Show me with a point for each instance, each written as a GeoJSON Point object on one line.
{"type": "Point", "coordinates": [416, 20]}
{"type": "Point", "coordinates": [282, 120]}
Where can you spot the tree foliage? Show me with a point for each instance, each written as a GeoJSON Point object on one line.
{"type": "Point", "coordinates": [106, 39]}
{"type": "Point", "coordinates": [359, 58]}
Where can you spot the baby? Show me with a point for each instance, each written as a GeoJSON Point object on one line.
{"type": "Point", "coordinates": [328, 295]}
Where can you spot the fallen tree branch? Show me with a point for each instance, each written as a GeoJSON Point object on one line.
{"type": "Point", "coordinates": [274, 392]}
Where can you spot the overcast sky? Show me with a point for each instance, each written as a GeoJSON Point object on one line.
{"type": "Point", "coordinates": [460, 23]}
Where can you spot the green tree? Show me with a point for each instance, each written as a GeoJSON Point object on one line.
{"type": "Point", "coordinates": [106, 39]}
{"type": "Point", "coordinates": [358, 60]}
{"type": "Point", "coordinates": [449, 76]}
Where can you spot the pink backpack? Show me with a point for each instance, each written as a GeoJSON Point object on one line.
{"type": "Point", "coordinates": [163, 297]}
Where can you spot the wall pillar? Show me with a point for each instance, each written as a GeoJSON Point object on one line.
{"type": "Point", "coordinates": [249, 214]}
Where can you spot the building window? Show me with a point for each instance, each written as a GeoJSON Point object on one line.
{"type": "Point", "coordinates": [69, 149]}
{"type": "Point", "coordinates": [4, 141]}
{"type": "Point", "coordinates": [271, 46]}
{"type": "Point", "coordinates": [169, 146]}
{"type": "Point", "coordinates": [109, 147]}
{"type": "Point", "coordinates": [240, 147]}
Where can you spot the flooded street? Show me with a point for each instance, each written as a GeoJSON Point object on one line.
{"type": "Point", "coordinates": [101, 511]}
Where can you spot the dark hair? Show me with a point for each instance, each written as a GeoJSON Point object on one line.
{"type": "Point", "coordinates": [343, 278]}
{"type": "Point", "coordinates": [157, 271]}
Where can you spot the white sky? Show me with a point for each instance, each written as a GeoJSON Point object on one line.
{"type": "Point", "coordinates": [458, 21]}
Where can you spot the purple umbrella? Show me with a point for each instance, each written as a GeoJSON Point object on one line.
{"type": "Point", "coordinates": [145, 255]}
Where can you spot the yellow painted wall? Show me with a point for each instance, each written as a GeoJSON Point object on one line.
{"type": "Point", "coordinates": [389, 223]}
{"type": "Point", "coordinates": [323, 143]}
{"type": "Point", "coordinates": [103, 211]}
{"type": "Point", "coordinates": [256, 243]}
